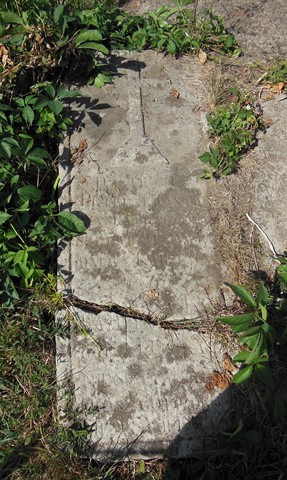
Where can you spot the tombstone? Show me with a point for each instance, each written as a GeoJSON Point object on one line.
{"type": "Point", "coordinates": [147, 261]}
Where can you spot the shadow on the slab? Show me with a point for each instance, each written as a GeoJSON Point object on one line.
{"type": "Point", "coordinates": [84, 106]}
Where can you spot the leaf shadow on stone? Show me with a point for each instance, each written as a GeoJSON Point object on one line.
{"type": "Point", "coordinates": [84, 105]}
{"type": "Point", "coordinates": [118, 61]}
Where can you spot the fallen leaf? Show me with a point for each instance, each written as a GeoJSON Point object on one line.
{"type": "Point", "coordinates": [152, 293]}
{"type": "Point", "coordinates": [227, 362]}
{"type": "Point", "coordinates": [4, 55]}
{"type": "Point", "coordinates": [220, 380]}
{"type": "Point", "coordinates": [174, 93]}
{"type": "Point", "coordinates": [202, 57]}
{"type": "Point", "coordinates": [274, 87]}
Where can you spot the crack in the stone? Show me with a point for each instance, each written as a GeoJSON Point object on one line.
{"type": "Point", "coordinates": [160, 321]}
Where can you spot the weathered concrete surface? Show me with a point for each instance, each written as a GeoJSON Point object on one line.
{"type": "Point", "coordinates": [147, 383]}
{"type": "Point", "coordinates": [150, 244]}
{"type": "Point", "coordinates": [270, 206]}
{"type": "Point", "coordinates": [149, 247]}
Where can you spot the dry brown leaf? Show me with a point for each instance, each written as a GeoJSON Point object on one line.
{"type": "Point", "coordinates": [227, 362]}
{"type": "Point", "coordinates": [4, 55]}
{"type": "Point", "coordinates": [220, 380]}
{"type": "Point", "coordinates": [174, 93]}
{"type": "Point", "coordinates": [274, 87]}
{"type": "Point", "coordinates": [202, 57]}
{"type": "Point", "coordinates": [152, 293]}
{"type": "Point", "coordinates": [78, 153]}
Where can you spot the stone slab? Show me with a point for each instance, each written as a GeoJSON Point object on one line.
{"type": "Point", "coordinates": [150, 244]}
{"type": "Point", "coordinates": [147, 386]}
{"type": "Point", "coordinates": [149, 247]}
{"type": "Point", "coordinates": [270, 205]}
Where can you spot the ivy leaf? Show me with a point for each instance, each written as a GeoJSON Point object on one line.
{"type": "Point", "coordinates": [30, 192]}
{"type": "Point", "coordinates": [56, 106]}
{"type": "Point", "coordinates": [28, 114]}
{"type": "Point", "coordinates": [62, 92]}
{"type": "Point", "coordinates": [3, 217]}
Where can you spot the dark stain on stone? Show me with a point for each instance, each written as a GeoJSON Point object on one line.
{"type": "Point", "coordinates": [103, 388]}
{"type": "Point", "coordinates": [124, 351]}
{"type": "Point", "coordinates": [141, 158]}
{"type": "Point", "coordinates": [123, 413]}
{"type": "Point", "coordinates": [176, 353]}
{"type": "Point", "coordinates": [135, 370]}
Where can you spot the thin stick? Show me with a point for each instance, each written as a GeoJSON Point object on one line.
{"type": "Point", "coordinates": [270, 244]}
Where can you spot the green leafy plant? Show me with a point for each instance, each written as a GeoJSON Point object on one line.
{"type": "Point", "coordinates": [175, 30]}
{"type": "Point", "coordinates": [233, 129]}
{"type": "Point", "coordinates": [262, 332]}
{"type": "Point", "coordinates": [30, 223]}
{"type": "Point", "coordinates": [255, 332]}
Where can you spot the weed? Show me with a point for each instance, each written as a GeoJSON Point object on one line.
{"type": "Point", "coordinates": [277, 73]}
{"type": "Point", "coordinates": [233, 128]}
{"type": "Point", "coordinates": [263, 334]}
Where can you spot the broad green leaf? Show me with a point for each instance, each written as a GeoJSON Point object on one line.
{"type": "Point", "coordinates": [263, 311]}
{"type": "Point", "coordinates": [101, 80]}
{"type": "Point", "coordinates": [241, 356]}
{"type": "Point", "coordinates": [71, 222]}
{"type": "Point", "coordinates": [27, 142]}
{"type": "Point", "coordinates": [56, 106]}
{"type": "Point", "coordinates": [14, 180]}
{"type": "Point", "coordinates": [35, 160]}
{"type": "Point", "coordinates": [12, 141]}
{"type": "Point", "coordinates": [3, 217]}
{"type": "Point", "coordinates": [241, 328]}
{"type": "Point", "coordinates": [49, 89]}
{"type": "Point", "coordinates": [282, 273]}
{"type": "Point", "coordinates": [262, 294]}
{"type": "Point", "coordinates": [40, 152]}
{"type": "Point", "coordinates": [28, 114]}
{"type": "Point", "coordinates": [171, 47]}
{"type": "Point", "coordinates": [88, 36]}
{"type": "Point", "coordinates": [94, 46]}
{"type": "Point", "coordinates": [30, 192]}
{"type": "Point", "coordinates": [58, 13]}
{"type": "Point", "coordinates": [252, 331]}
{"type": "Point", "coordinates": [63, 92]}
{"type": "Point", "coordinates": [243, 375]}
{"type": "Point", "coordinates": [41, 103]}
{"type": "Point", "coordinates": [257, 350]}
{"type": "Point", "coordinates": [242, 293]}
{"type": "Point", "coordinates": [11, 17]}
{"type": "Point", "coordinates": [20, 257]}
{"type": "Point", "coordinates": [237, 319]}
{"type": "Point", "coordinates": [205, 157]}
{"type": "Point", "coordinates": [5, 150]}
